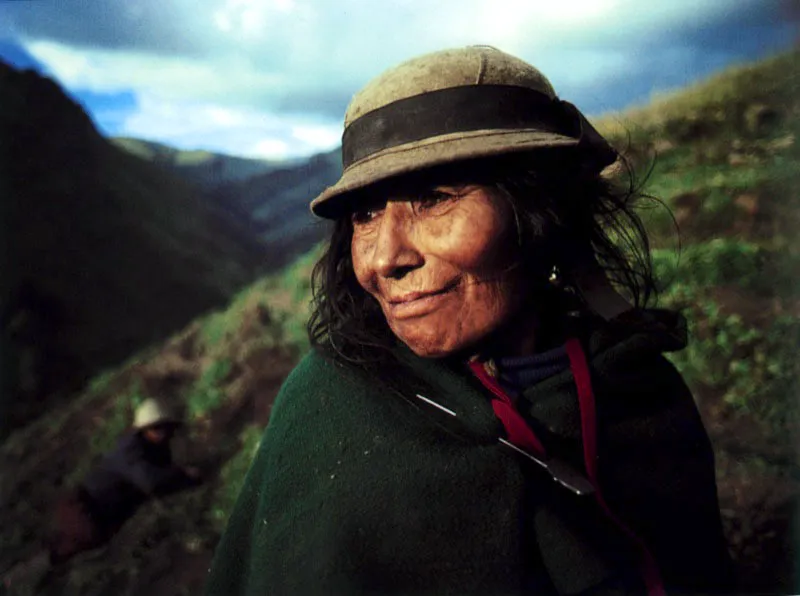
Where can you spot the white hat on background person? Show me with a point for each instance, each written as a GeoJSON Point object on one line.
{"type": "Point", "coordinates": [151, 412]}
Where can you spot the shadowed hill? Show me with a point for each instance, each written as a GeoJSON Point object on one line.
{"type": "Point", "coordinates": [733, 279]}
{"type": "Point", "coordinates": [102, 254]}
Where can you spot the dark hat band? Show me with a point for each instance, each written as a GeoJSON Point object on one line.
{"type": "Point", "coordinates": [464, 109]}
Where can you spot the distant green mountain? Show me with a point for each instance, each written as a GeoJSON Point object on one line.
{"type": "Point", "coordinates": [272, 197]}
{"type": "Point", "coordinates": [205, 168]}
{"type": "Point", "coordinates": [103, 252]}
{"type": "Point", "coordinates": [277, 202]}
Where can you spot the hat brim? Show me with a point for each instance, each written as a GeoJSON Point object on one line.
{"type": "Point", "coordinates": [411, 157]}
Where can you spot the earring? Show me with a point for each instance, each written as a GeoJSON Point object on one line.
{"type": "Point", "coordinates": [555, 277]}
{"type": "Point", "coordinates": [568, 292]}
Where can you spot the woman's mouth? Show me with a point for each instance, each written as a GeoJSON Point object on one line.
{"type": "Point", "coordinates": [417, 304]}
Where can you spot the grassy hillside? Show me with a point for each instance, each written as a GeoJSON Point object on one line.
{"type": "Point", "coordinates": [726, 165]}
{"type": "Point", "coordinates": [102, 252]}
{"type": "Point", "coordinates": [222, 372]}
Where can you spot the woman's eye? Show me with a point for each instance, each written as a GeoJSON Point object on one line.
{"type": "Point", "coordinates": [432, 198]}
{"type": "Point", "coordinates": [362, 216]}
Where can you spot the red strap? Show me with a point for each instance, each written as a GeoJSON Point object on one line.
{"type": "Point", "coordinates": [518, 432]}
{"type": "Point", "coordinates": [521, 435]}
{"type": "Point", "coordinates": [583, 381]}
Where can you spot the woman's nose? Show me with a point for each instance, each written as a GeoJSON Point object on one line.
{"type": "Point", "coordinates": [395, 252]}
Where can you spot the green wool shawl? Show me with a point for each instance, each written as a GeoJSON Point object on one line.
{"type": "Point", "coordinates": [357, 488]}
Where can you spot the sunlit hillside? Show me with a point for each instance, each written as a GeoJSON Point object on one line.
{"type": "Point", "coordinates": [725, 155]}
{"type": "Point", "coordinates": [726, 164]}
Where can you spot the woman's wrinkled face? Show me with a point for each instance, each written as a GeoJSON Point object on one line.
{"type": "Point", "coordinates": [438, 265]}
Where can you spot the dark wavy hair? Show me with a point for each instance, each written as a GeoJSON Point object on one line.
{"type": "Point", "coordinates": [565, 214]}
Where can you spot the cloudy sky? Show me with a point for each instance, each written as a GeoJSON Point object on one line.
{"type": "Point", "coordinates": [272, 78]}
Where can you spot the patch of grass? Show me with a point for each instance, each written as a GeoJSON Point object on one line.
{"type": "Point", "coordinates": [215, 327]}
{"type": "Point", "coordinates": [288, 295]}
{"type": "Point", "coordinates": [207, 392]}
{"type": "Point", "coordinates": [670, 179]}
{"type": "Point", "coordinates": [100, 382]}
{"type": "Point", "coordinates": [232, 476]}
{"type": "Point", "coordinates": [755, 368]}
{"type": "Point", "coordinates": [721, 261]}
{"type": "Point", "coordinates": [118, 421]}
{"type": "Point", "coordinates": [295, 333]}
{"type": "Point", "coordinates": [758, 270]}
{"type": "Point", "coordinates": [285, 295]}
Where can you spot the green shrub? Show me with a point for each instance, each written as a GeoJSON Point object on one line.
{"type": "Point", "coordinates": [100, 382]}
{"type": "Point", "coordinates": [214, 328]}
{"type": "Point", "coordinates": [207, 393]}
{"type": "Point", "coordinates": [720, 261]}
{"type": "Point", "coordinates": [754, 368]}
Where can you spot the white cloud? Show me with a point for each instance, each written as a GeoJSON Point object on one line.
{"type": "Point", "coordinates": [517, 25]}
{"type": "Point", "coordinates": [226, 81]}
{"type": "Point", "coordinates": [243, 58]}
{"type": "Point", "coordinates": [266, 54]}
{"type": "Point", "coordinates": [249, 20]}
{"type": "Point", "coordinates": [245, 132]}
{"type": "Point", "coordinates": [284, 5]}
{"type": "Point", "coordinates": [225, 116]}
{"type": "Point", "coordinates": [223, 21]}
{"type": "Point", "coordinates": [324, 137]}
{"type": "Point", "coordinates": [269, 149]}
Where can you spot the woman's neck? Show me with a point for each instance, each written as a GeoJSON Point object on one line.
{"type": "Point", "coordinates": [537, 327]}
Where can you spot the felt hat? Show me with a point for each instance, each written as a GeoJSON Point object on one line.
{"type": "Point", "coordinates": [151, 412]}
{"type": "Point", "coordinates": [454, 105]}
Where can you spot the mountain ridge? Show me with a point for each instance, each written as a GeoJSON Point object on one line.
{"type": "Point", "coordinates": [209, 169]}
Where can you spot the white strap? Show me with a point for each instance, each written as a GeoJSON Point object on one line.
{"type": "Point", "coordinates": [598, 292]}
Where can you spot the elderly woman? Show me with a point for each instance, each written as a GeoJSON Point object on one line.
{"type": "Point", "coordinates": [481, 412]}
